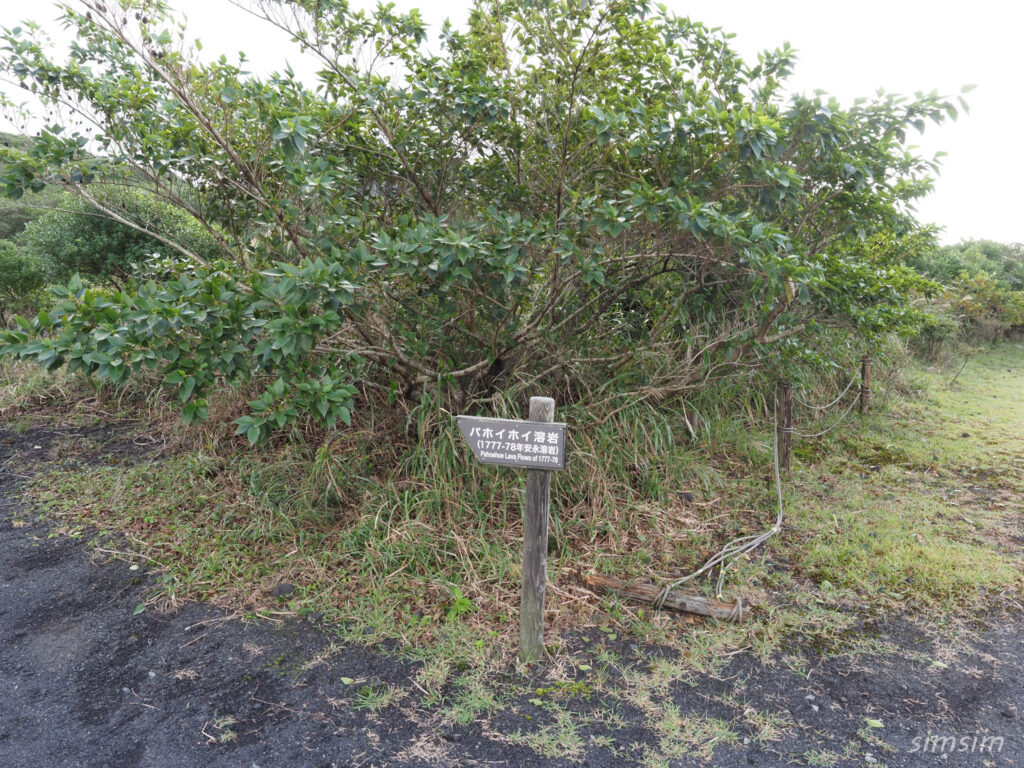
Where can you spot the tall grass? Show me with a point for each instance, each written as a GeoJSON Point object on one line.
{"type": "Point", "coordinates": [392, 524]}
{"type": "Point", "coordinates": [391, 530]}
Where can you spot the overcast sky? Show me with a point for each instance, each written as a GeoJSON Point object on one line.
{"type": "Point", "coordinates": [847, 49]}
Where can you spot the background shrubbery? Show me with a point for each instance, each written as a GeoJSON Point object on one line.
{"type": "Point", "coordinates": [22, 278]}
{"type": "Point", "coordinates": [72, 238]}
{"type": "Point", "coordinates": [78, 238]}
{"type": "Point", "coordinates": [983, 296]}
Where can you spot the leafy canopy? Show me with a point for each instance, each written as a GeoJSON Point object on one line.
{"type": "Point", "coordinates": [564, 195]}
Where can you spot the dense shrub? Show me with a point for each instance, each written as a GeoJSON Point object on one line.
{"type": "Point", "coordinates": [83, 237]}
{"type": "Point", "coordinates": [21, 281]}
{"type": "Point", "coordinates": [984, 292]}
{"type": "Point", "coordinates": [941, 331]}
{"type": "Point", "coordinates": [1003, 262]}
{"type": "Point", "coordinates": [988, 308]}
{"type": "Point", "coordinates": [592, 199]}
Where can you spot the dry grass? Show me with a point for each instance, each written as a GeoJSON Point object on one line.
{"type": "Point", "coordinates": [389, 524]}
{"type": "Point", "coordinates": [391, 528]}
{"type": "Point", "coordinates": [26, 388]}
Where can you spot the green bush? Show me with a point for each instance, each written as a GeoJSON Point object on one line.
{"type": "Point", "coordinates": [594, 199]}
{"type": "Point", "coordinates": [21, 281]}
{"type": "Point", "coordinates": [1004, 263]}
{"type": "Point", "coordinates": [988, 308]}
{"type": "Point", "coordinates": [80, 238]}
{"type": "Point", "coordinates": [984, 297]}
{"type": "Point", "coordinates": [937, 334]}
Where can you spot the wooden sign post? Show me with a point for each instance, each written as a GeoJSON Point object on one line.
{"type": "Point", "coordinates": [535, 546]}
{"type": "Point", "coordinates": [538, 445]}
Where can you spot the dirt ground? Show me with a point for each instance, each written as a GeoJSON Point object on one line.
{"type": "Point", "coordinates": [87, 681]}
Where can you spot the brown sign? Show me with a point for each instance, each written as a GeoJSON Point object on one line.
{"type": "Point", "coordinates": [513, 443]}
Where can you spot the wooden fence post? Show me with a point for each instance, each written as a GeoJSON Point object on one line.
{"type": "Point", "coordinates": [865, 384]}
{"type": "Point", "coordinates": [535, 546]}
{"type": "Point", "coordinates": [785, 436]}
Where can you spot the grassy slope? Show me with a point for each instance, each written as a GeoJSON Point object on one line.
{"type": "Point", "coordinates": [912, 510]}
{"type": "Point", "coordinates": [920, 504]}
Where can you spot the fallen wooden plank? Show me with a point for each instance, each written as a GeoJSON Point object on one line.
{"type": "Point", "coordinates": [648, 593]}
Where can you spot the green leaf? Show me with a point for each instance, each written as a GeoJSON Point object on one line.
{"type": "Point", "coordinates": [187, 389]}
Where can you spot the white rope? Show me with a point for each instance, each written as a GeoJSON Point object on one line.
{"type": "Point", "coordinates": [738, 547]}
{"type": "Point", "coordinates": [834, 424]}
{"type": "Point", "coordinates": [828, 405]}
{"type": "Point", "coordinates": [743, 545]}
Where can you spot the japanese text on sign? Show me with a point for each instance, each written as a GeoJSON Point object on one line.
{"type": "Point", "coordinates": [534, 445]}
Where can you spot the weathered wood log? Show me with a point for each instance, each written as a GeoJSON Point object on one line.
{"type": "Point", "coordinates": [648, 593]}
